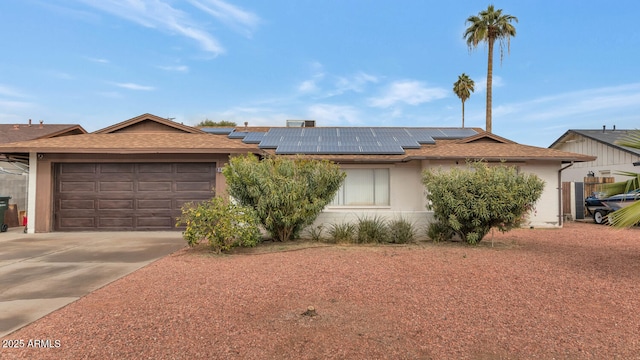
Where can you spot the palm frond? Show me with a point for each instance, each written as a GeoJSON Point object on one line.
{"type": "Point", "coordinates": [622, 187]}
{"type": "Point", "coordinates": [631, 140]}
{"type": "Point", "coordinates": [626, 217]}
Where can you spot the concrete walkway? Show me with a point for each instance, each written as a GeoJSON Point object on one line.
{"type": "Point", "coordinates": [40, 273]}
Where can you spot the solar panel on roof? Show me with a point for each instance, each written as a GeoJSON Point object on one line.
{"type": "Point", "coordinates": [360, 140]}
{"type": "Point", "coordinates": [253, 138]}
{"type": "Point", "coordinates": [238, 135]}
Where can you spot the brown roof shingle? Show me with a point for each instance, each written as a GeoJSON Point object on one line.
{"type": "Point", "coordinates": [127, 143]}
{"type": "Point", "coordinates": [23, 132]}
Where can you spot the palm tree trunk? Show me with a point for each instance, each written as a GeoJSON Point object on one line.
{"type": "Point", "coordinates": [489, 84]}
{"type": "Point", "coordinates": [462, 113]}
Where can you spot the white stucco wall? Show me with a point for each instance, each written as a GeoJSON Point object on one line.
{"type": "Point", "coordinates": [407, 197]}
{"type": "Point", "coordinates": [547, 208]}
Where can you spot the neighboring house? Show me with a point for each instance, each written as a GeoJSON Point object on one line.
{"type": "Point", "coordinates": [610, 157]}
{"type": "Point", "coordinates": [14, 168]}
{"type": "Point", "coordinates": [136, 175]}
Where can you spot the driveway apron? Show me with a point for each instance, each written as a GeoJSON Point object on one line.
{"type": "Point", "coordinates": [40, 273]}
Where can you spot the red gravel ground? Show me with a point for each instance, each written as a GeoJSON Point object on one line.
{"type": "Point", "coordinates": [570, 293]}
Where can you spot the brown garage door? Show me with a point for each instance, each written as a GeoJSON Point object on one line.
{"type": "Point", "coordinates": [127, 196]}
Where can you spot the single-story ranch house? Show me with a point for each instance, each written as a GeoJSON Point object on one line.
{"type": "Point", "coordinates": [136, 175]}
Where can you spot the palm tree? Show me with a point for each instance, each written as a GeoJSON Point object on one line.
{"type": "Point", "coordinates": [488, 26]}
{"type": "Point", "coordinates": [628, 215]}
{"type": "Point", "coordinates": [463, 88]}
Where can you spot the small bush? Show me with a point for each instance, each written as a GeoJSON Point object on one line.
{"type": "Point", "coordinates": [287, 194]}
{"type": "Point", "coordinates": [473, 200]}
{"type": "Point", "coordinates": [315, 233]}
{"type": "Point", "coordinates": [372, 230]}
{"type": "Point", "coordinates": [401, 231]}
{"type": "Point", "coordinates": [438, 231]}
{"type": "Point", "coordinates": [222, 224]}
{"type": "Point", "coordinates": [344, 232]}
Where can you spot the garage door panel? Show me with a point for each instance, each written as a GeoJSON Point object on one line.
{"type": "Point", "coordinates": [77, 168]}
{"type": "Point", "coordinates": [131, 196]}
{"type": "Point", "coordinates": [156, 222]}
{"type": "Point", "coordinates": [197, 186]}
{"type": "Point", "coordinates": [116, 186]}
{"type": "Point", "coordinates": [77, 204]}
{"type": "Point", "coordinates": [154, 185]}
{"type": "Point", "coordinates": [112, 204]}
{"type": "Point", "coordinates": [78, 186]}
{"type": "Point", "coordinates": [78, 223]}
{"type": "Point", "coordinates": [191, 169]}
{"type": "Point", "coordinates": [115, 223]}
{"type": "Point", "coordinates": [155, 168]}
{"type": "Point", "coordinates": [154, 204]}
{"type": "Point", "coordinates": [117, 168]}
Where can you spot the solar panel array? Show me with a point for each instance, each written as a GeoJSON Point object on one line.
{"type": "Point", "coordinates": [253, 137]}
{"type": "Point", "coordinates": [353, 140]}
{"type": "Point", "coordinates": [238, 135]}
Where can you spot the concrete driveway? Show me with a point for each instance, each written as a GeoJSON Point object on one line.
{"type": "Point", "coordinates": [40, 273]}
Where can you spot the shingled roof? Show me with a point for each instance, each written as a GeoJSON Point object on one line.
{"type": "Point", "coordinates": [145, 139]}
{"type": "Point", "coordinates": [22, 132]}
{"type": "Point", "coordinates": [132, 143]}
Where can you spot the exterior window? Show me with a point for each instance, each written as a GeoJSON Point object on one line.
{"type": "Point", "coordinates": [364, 187]}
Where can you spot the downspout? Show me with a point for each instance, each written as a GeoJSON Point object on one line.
{"type": "Point", "coordinates": [560, 192]}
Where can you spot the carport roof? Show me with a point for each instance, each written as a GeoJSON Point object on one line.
{"type": "Point", "coordinates": [132, 143]}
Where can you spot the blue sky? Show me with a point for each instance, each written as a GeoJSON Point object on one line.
{"type": "Point", "coordinates": [573, 64]}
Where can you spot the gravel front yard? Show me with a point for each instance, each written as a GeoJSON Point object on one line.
{"type": "Point", "coordinates": [570, 293]}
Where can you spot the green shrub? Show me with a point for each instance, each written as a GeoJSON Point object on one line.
{"type": "Point", "coordinates": [315, 232]}
{"type": "Point", "coordinates": [287, 194]}
{"type": "Point", "coordinates": [222, 224]}
{"type": "Point", "coordinates": [372, 230]}
{"type": "Point", "coordinates": [342, 233]}
{"type": "Point", "coordinates": [438, 231]}
{"type": "Point", "coordinates": [401, 231]}
{"type": "Point", "coordinates": [471, 201]}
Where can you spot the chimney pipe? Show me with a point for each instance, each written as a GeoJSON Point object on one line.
{"type": "Point", "coordinates": [41, 121]}
{"type": "Point", "coordinates": [614, 127]}
{"type": "Point", "coordinates": [604, 127]}
{"type": "Point", "coordinates": [29, 122]}
{"type": "Point", "coordinates": [246, 126]}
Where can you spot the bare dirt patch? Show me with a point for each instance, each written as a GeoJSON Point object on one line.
{"type": "Point", "coordinates": [568, 293]}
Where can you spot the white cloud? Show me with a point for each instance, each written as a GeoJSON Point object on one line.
{"type": "Point", "coordinates": [231, 15]}
{"type": "Point", "coordinates": [408, 92]}
{"type": "Point", "coordinates": [159, 14]}
{"type": "Point", "coordinates": [355, 83]}
{"type": "Point", "coordinates": [177, 68]}
{"type": "Point", "coordinates": [132, 86]}
{"type": "Point", "coordinates": [9, 91]}
{"type": "Point", "coordinates": [98, 60]}
{"type": "Point", "coordinates": [481, 84]}
{"type": "Point", "coordinates": [325, 85]}
{"type": "Point", "coordinates": [579, 104]}
{"type": "Point", "coordinates": [328, 115]}
{"type": "Point", "coordinates": [307, 86]}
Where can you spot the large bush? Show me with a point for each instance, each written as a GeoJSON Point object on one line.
{"type": "Point", "coordinates": [222, 224]}
{"type": "Point", "coordinates": [470, 201]}
{"type": "Point", "coordinates": [287, 194]}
